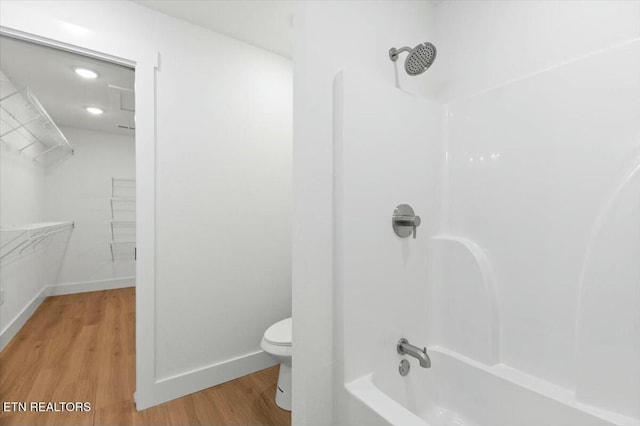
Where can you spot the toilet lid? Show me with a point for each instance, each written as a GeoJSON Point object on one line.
{"type": "Point", "coordinates": [279, 333]}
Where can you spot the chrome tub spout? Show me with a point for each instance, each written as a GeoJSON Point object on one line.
{"type": "Point", "coordinates": [405, 348]}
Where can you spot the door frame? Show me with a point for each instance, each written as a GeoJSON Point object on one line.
{"type": "Point", "coordinates": [145, 61]}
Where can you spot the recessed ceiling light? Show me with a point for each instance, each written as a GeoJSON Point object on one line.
{"type": "Point", "coordinates": [86, 73]}
{"type": "Point", "coordinates": [94, 110]}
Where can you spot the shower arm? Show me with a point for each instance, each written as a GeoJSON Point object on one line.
{"type": "Point", "coordinates": [393, 52]}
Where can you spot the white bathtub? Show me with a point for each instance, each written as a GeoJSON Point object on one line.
{"type": "Point", "coordinates": [458, 391]}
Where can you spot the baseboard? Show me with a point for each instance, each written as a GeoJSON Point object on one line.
{"type": "Point", "coordinates": [16, 324]}
{"type": "Point", "coordinates": [83, 287]}
{"type": "Point", "coordinates": [183, 384]}
{"type": "Point", "coordinates": [57, 290]}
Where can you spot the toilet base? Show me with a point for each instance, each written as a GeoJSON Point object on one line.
{"type": "Point", "coordinates": [283, 390]}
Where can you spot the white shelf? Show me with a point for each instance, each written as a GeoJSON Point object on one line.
{"type": "Point", "coordinates": [36, 227]}
{"type": "Point", "coordinates": [123, 231]}
{"type": "Point", "coordinates": [123, 188]}
{"type": "Point", "coordinates": [19, 239]}
{"type": "Point", "coordinates": [123, 209]}
{"type": "Point", "coordinates": [26, 126]}
{"type": "Point", "coordinates": [123, 250]}
{"type": "Point", "coordinates": [123, 219]}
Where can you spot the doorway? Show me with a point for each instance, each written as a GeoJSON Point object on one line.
{"type": "Point", "coordinates": [68, 221]}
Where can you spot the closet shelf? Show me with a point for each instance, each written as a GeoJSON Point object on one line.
{"type": "Point", "coordinates": [123, 188]}
{"type": "Point", "coordinates": [125, 250]}
{"type": "Point", "coordinates": [123, 219]}
{"type": "Point", "coordinates": [25, 125]}
{"type": "Point", "coordinates": [123, 209]}
{"type": "Point", "coordinates": [16, 240]}
{"type": "Point", "coordinates": [123, 231]}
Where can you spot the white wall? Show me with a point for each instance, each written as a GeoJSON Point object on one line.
{"type": "Point", "coordinates": [222, 186]}
{"type": "Point", "coordinates": [330, 36]}
{"type": "Point", "coordinates": [543, 149]}
{"type": "Point", "coordinates": [21, 180]}
{"type": "Point", "coordinates": [21, 203]}
{"type": "Point", "coordinates": [223, 201]}
{"type": "Point", "coordinates": [79, 190]}
{"type": "Point", "coordinates": [482, 44]}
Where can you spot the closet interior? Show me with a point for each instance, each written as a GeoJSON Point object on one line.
{"type": "Point", "coordinates": [67, 178]}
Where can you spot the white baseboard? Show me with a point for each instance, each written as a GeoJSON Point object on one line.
{"type": "Point", "coordinates": [196, 380]}
{"type": "Point", "coordinates": [57, 290]}
{"type": "Point", "coordinates": [16, 324]}
{"type": "Point", "coordinates": [83, 287]}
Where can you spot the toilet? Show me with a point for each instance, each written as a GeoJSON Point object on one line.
{"type": "Point", "coordinates": [277, 343]}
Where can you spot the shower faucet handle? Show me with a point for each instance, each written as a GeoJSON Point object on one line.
{"type": "Point", "coordinates": [404, 221]}
{"type": "Point", "coordinates": [412, 221]}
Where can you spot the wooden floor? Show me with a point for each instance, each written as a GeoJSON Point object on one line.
{"type": "Point", "coordinates": [81, 347]}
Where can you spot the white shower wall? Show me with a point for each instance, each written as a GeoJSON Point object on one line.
{"type": "Point", "coordinates": [328, 37]}
{"type": "Point", "coordinates": [482, 44]}
{"type": "Point", "coordinates": [380, 288]}
{"type": "Point", "coordinates": [542, 174]}
{"type": "Point", "coordinates": [534, 264]}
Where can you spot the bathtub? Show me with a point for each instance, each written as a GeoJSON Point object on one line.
{"type": "Point", "coordinates": [458, 391]}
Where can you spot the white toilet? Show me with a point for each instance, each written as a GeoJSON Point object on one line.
{"type": "Point", "coordinates": [277, 343]}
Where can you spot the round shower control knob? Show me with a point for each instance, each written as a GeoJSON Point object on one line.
{"type": "Point", "coordinates": [405, 221]}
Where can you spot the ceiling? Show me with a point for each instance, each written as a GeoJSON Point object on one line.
{"type": "Point", "coordinates": [50, 75]}
{"type": "Point", "coordinates": [262, 23]}
{"type": "Point", "coordinates": [50, 72]}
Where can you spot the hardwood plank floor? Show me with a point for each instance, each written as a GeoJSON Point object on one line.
{"type": "Point", "coordinates": [81, 347]}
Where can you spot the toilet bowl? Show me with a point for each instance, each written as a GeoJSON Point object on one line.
{"type": "Point", "coordinates": [277, 343]}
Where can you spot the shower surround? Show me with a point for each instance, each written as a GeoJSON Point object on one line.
{"type": "Point", "coordinates": [524, 280]}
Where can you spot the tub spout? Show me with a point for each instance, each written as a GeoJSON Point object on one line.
{"type": "Point", "coordinates": [405, 348]}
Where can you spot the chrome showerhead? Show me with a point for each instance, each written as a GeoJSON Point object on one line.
{"type": "Point", "coordinates": [419, 58]}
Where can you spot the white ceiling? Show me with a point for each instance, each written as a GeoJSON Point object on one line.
{"type": "Point", "coordinates": [49, 72]}
{"type": "Point", "coordinates": [263, 23]}
{"type": "Point", "coordinates": [50, 75]}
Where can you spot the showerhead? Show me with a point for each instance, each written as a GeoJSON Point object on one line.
{"type": "Point", "coordinates": [419, 58]}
